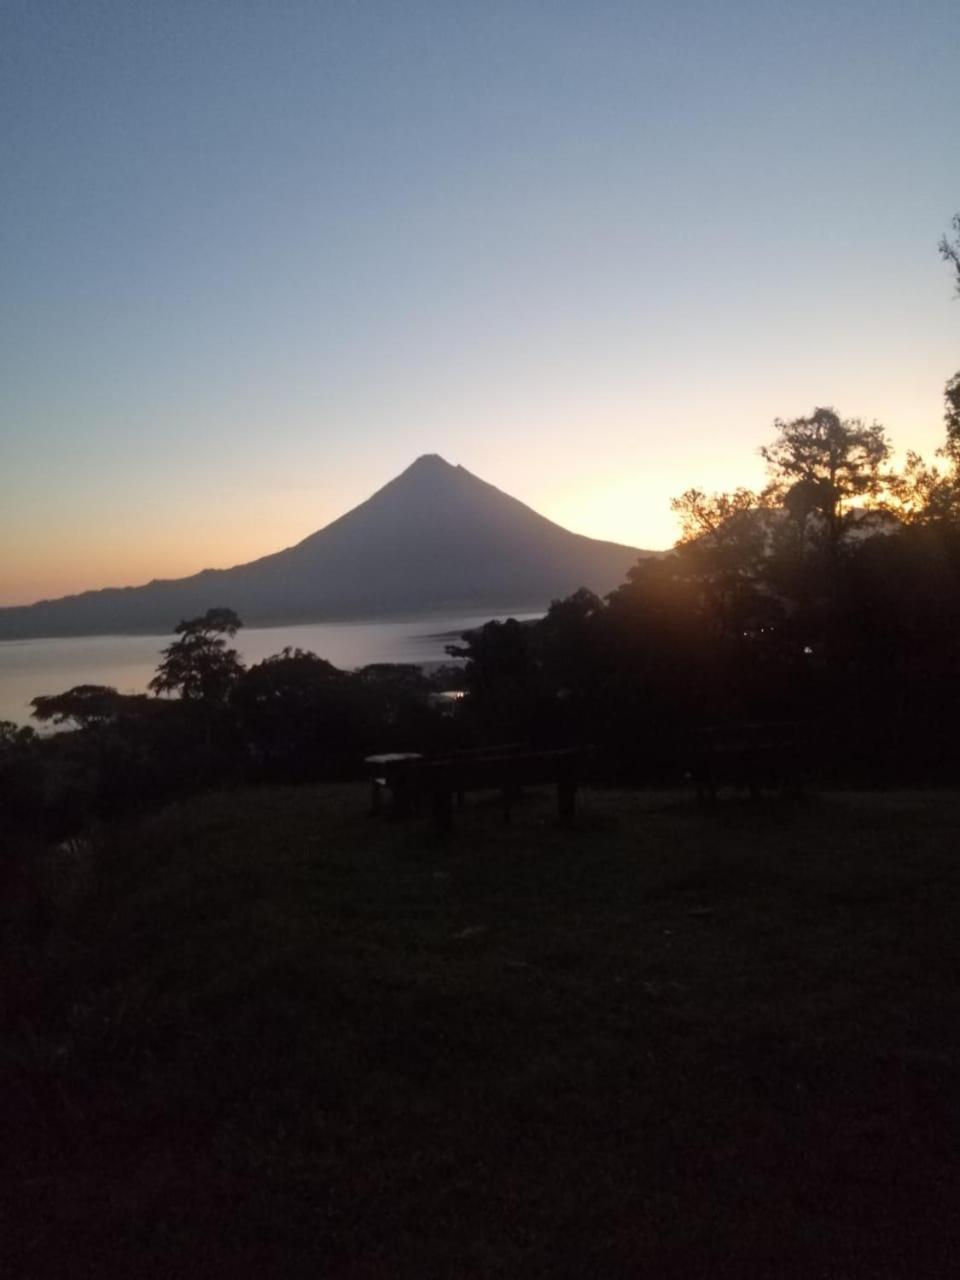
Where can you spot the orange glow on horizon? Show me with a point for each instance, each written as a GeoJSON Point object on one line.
{"type": "Point", "coordinates": [70, 562]}
{"type": "Point", "coordinates": [91, 550]}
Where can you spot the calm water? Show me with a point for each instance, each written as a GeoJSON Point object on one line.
{"type": "Point", "coordinates": [32, 667]}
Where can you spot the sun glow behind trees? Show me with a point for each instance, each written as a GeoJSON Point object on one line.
{"type": "Point", "coordinates": [304, 245]}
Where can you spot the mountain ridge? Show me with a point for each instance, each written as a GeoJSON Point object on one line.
{"type": "Point", "coordinates": [434, 537]}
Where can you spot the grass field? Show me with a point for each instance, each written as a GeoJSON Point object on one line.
{"type": "Point", "coordinates": [273, 1036]}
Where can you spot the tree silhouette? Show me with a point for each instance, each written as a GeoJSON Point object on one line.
{"type": "Point", "coordinates": [950, 252]}
{"type": "Point", "coordinates": [723, 547]}
{"type": "Point", "coordinates": [820, 465]}
{"type": "Point", "coordinates": [925, 494]}
{"type": "Point", "coordinates": [951, 417]}
{"type": "Point", "coordinates": [294, 711]}
{"type": "Point", "coordinates": [199, 666]}
{"type": "Point", "coordinates": [502, 675]}
{"type": "Point", "coordinates": [88, 706]}
{"type": "Point", "coordinates": [950, 249]}
{"type": "Point", "coordinates": [21, 777]}
{"type": "Point", "coordinates": [13, 737]}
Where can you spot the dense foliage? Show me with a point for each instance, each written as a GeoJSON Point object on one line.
{"type": "Point", "coordinates": [831, 599]}
{"type": "Point", "coordinates": [790, 605]}
{"type": "Point", "coordinates": [292, 717]}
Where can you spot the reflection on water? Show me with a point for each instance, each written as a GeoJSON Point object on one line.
{"type": "Point", "coordinates": [32, 667]}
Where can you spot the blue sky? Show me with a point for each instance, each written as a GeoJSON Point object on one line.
{"type": "Point", "coordinates": [256, 257]}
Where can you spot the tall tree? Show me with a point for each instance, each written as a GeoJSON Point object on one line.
{"type": "Point", "coordinates": [723, 546]}
{"type": "Point", "coordinates": [925, 494]}
{"type": "Point", "coordinates": [950, 252]}
{"type": "Point", "coordinates": [951, 414]}
{"type": "Point", "coordinates": [821, 465]}
{"type": "Point", "coordinates": [199, 666]}
{"type": "Point", "coordinates": [950, 249]}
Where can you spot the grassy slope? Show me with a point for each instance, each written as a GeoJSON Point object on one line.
{"type": "Point", "coordinates": [280, 1037]}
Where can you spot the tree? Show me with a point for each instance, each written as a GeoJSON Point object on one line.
{"type": "Point", "coordinates": [950, 252]}
{"type": "Point", "coordinates": [296, 712]}
{"type": "Point", "coordinates": [951, 416]}
{"type": "Point", "coordinates": [502, 676]}
{"type": "Point", "coordinates": [21, 777]}
{"type": "Point", "coordinates": [821, 465]}
{"type": "Point", "coordinates": [950, 249]}
{"type": "Point", "coordinates": [572, 650]}
{"type": "Point", "coordinates": [14, 737]}
{"type": "Point", "coordinates": [89, 706]}
{"type": "Point", "coordinates": [285, 691]}
{"type": "Point", "coordinates": [925, 495]}
{"type": "Point", "coordinates": [723, 546]}
{"type": "Point", "coordinates": [199, 666]}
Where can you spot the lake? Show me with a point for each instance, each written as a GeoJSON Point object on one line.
{"type": "Point", "coordinates": [32, 667]}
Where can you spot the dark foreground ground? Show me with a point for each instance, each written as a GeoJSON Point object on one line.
{"type": "Point", "coordinates": [272, 1036]}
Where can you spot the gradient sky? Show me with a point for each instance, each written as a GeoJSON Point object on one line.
{"type": "Point", "coordinates": [256, 257]}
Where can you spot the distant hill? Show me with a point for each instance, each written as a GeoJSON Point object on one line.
{"type": "Point", "coordinates": [435, 538]}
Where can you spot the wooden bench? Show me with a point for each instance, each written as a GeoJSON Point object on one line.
{"type": "Point", "coordinates": [507, 769]}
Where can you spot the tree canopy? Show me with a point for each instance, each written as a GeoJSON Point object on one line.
{"type": "Point", "coordinates": [822, 464]}
{"type": "Point", "coordinates": [950, 249]}
{"type": "Point", "coordinates": [199, 666]}
{"type": "Point", "coordinates": [85, 705]}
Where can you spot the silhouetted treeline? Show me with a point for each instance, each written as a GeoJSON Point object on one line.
{"type": "Point", "coordinates": [867, 668]}
{"type": "Point", "coordinates": [830, 600]}
{"type": "Point", "coordinates": [293, 717]}
{"type": "Point", "coordinates": [842, 620]}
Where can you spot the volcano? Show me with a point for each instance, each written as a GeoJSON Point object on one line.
{"type": "Point", "coordinates": [435, 539]}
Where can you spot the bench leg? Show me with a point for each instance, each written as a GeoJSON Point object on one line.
{"type": "Point", "coordinates": [376, 795]}
{"type": "Point", "coordinates": [509, 795]}
{"type": "Point", "coordinates": [706, 793]}
{"type": "Point", "coordinates": [402, 798]}
{"type": "Point", "coordinates": [567, 801]}
{"type": "Point", "coordinates": [443, 808]}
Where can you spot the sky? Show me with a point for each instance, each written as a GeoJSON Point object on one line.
{"type": "Point", "coordinates": [257, 257]}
